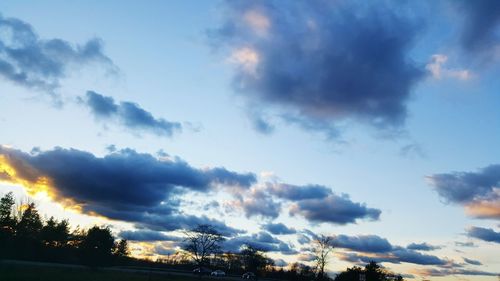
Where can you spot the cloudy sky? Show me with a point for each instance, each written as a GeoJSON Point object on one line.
{"type": "Point", "coordinates": [275, 121]}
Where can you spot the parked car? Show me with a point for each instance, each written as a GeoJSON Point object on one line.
{"type": "Point", "coordinates": [202, 271]}
{"type": "Point", "coordinates": [218, 273]}
{"type": "Point", "coordinates": [248, 275]}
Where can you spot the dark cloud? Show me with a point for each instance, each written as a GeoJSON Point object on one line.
{"type": "Point", "coordinates": [465, 244]}
{"type": "Point", "coordinates": [101, 106]}
{"type": "Point", "coordinates": [111, 148]}
{"type": "Point", "coordinates": [257, 203]}
{"type": "Point", "coordinates": [363, 243]}
{"type": "Point", "coordinates": [334, 209]}
{"type": "Point", "coordinates": [129, 114]}
{"type": "Point", "coordinates": [29, 61]}
{"type": "Point", "coordinates": [422, 247]}
{"type": "Point", "coordinates": [454, 271]}
{"type": "Point", "coordinates": [303, 239]}
{"type": "Point", "coordinates": [464, 187]}
{"type": "Point", "coordinates": [147, 235]}
{"type": "Point", "coordinates": [478, 191]}
{"type": "Point", "coordinates": [125, 185]}
{"type": "Point", "coordinates": [485, 234]}
{"type": "Point", "coordinates": [286, 249]}
{"type": "Point", "coordinates": [314, 202]}
{"type": "Point", "coordinates": [310, 234]}
{"type": "Point", "coordinates": [296, 193]}
{"type": "Point", "coordinates": [471, 261]}
{"type": "Point", "coordinates": [279, 228]}
{"type": "Point", "coordinates": [262, 241]}
{"type": "Point", "coordinates": [210, 206]}
{"type": "Point", "coordinates": [410, 256]}
{"type": "Point", "coordinates": [480, 30]}
{"type": "Point", "coordinates": [320, 60]}
{"type": "Point", "coordinates": [397, 255]}
{"type": "Point", "coordinates": [364, 259]}
{"type": "Point", "coordinates": [375, 248]}
{"type": "Point", "coordinates": [229, 178]}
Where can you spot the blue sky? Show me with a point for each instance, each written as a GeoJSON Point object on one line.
{"type": "Point", "coordinates": [382, 117]}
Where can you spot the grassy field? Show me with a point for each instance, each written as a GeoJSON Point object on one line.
{"type": "Point", "coordinates": [53, 273]}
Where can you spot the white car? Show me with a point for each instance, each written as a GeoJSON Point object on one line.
{"type": "Point", "coordinates": [218, 273]}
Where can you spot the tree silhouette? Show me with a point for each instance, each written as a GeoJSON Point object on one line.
{"type": "Point", "coordinates": [371, 272]}
{"type": "Point", "coordinates": [27, 233]}
{"type": "Point", "coordinates": [6, 217]}
{"type": "Point", "coordinates": [351, 274]}
{"type": "Point", "coordinates": [121, 249]}
{"type": "Point", "coordinates": [97, 246]}
{"type": "Point", "coordinates": [54, 233]}
{"type": "Point", "coordinates": [23, 235]}
{"type": "Point", "coordinates": [300, 272]}
{"type": "Point", "coordinates": [30, 224]}
{"type": "Point", "coordinates": [374, 272]}
{"type": "Point", "coordinates": [323, 247]}
{"type": "Point", "coordinates": [254, 260]}
{"type": "Point", "coordinates": [201, 242]}
{"type": "Point", "coordinates": [7, 224]}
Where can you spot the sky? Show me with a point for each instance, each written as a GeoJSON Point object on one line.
{"type": "Point", "coordinates": [275, 121]}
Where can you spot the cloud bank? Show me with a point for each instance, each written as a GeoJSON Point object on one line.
{"type": "Point", "coordinates": [262, 241]}
{"type": "Point", "coordinates": [124, 185]}
{"type": "Point", "coordinates": [145, 235]}
{"type": "Point", "coordinates": [315, 203]}
{"type": "Point", "coordinates": [374, 248]}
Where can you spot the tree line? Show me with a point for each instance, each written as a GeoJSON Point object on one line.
{"type": "Point", "coordinates": [25, 236]}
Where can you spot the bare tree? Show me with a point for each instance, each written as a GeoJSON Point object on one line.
{"type": "Point", "coordinates": [201, 242]}
{"type": "Point", "coordinates": [323, 247]}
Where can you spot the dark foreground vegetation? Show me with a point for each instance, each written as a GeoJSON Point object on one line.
{"type": "Point", "coordinates": [27, 272]}
{"type": "Point", "coordinates": [24, 236]}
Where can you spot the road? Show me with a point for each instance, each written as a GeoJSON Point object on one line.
{"type": "Point", "coordinates": [131, 269]}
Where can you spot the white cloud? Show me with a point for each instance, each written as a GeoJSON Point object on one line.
{"type": "Point", "coordinates": [439, 71]}
{"type": "Point", "coordinates": [259, 23]}
{"type": "Point", "coordinates": [247, 58]}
